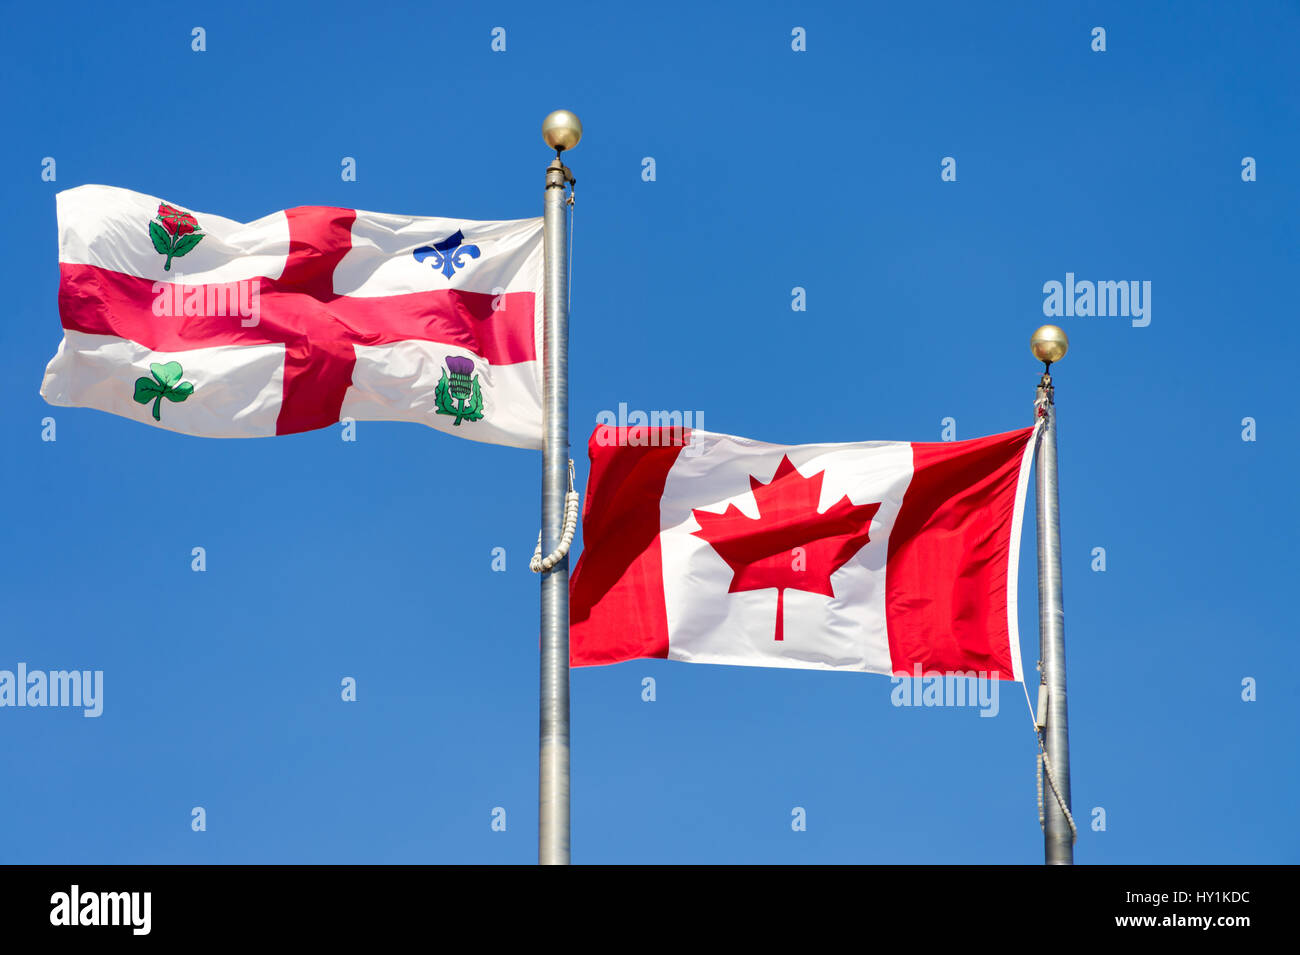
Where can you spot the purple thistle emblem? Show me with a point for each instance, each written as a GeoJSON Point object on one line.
{"type": "Point", "coordinates": [458, 393]}
{"type": "Point", "coordinates": [461, 383]}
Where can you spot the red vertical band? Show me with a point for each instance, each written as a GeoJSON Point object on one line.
{"type": "Point", "coordinates": [946, 580]}
{"type": "Point", "coordinates": [319, 238]}
{"type": "Point", "coordinates": [317, 365]}
{"type": "Point", "coordinates": [616, 596]}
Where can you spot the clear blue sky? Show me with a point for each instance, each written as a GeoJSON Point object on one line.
{"type": "Point", "coordinates": [775, 169]}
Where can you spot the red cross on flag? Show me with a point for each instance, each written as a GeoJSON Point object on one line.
{"type": "Point", "coordinates": [879, 556]}
{"type": "Point", "coordinates": [199, 324]}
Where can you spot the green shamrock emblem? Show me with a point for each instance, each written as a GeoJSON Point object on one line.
{"type": "Point", "coordinates": [165, 383]}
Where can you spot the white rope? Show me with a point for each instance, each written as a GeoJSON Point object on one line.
{"type": "Point", "coordinates": [1038, 765]}
{"type": "Point", "coordinates": [1046, 764]}
{"type": "Point", "coordinates": [1051, 778]}
{"type": "Point", "coordinates": [540, 564]}
{"type": "Point", "coordinates": [1038, 778]}
{"type": "Point", "coordinates": [1043, 765]}
{"type": "Point", "coordinates": [568, 304]}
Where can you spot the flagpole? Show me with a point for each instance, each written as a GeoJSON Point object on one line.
{"type": "Point", "coordinates": [1049, 345]}
{"type": "Point", "coordinates": [561, 130]}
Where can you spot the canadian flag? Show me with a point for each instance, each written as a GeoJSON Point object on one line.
{"type": "Point", "coordinates": [878, 556]}
{"type": "Point", "coordinates": [200, 324]}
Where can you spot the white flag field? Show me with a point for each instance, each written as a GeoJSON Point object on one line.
{"type": "Point", "coordinates": [199, 324]}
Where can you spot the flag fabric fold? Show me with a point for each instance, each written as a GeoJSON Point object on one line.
{"type": "Point", "coordinates": [876, 556]}
{"type": "Point", "coordinates": [203, 325]}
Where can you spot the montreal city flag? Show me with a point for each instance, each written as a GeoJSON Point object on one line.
{"type": "Point", "coordinates": [879, 556]}
{"type": "Point", "coordinates": [199, 324]}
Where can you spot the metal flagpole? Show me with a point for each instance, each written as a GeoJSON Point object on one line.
{"type": "Point", "coordinates": [561, 130]}
{"type": "Point", "coordinates": [1049, 345]}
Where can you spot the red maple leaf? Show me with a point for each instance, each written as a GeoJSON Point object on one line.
{"type": "Point", "coordinates": [761, 552]}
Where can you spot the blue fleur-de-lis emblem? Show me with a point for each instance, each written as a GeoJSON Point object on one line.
{"type": "Point", "coordinates": [448, 255]}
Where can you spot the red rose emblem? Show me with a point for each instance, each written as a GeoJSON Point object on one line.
{"type": "Point", "coordinates": [176, 221]}
{"type": "Point", "coordinates": [173, 233]}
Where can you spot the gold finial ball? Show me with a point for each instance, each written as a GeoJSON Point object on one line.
{"type": "Point", "coordinates": [1049, 344]}
{"type": "Point", "coordinates": [561, 130]}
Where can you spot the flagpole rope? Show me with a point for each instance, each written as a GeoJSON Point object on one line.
{"type": "Point", "coordinates": [1051, 778]}
{"type": "Point", "coordinates": [1043, 763]}
{"type": "Point", "coordinates": [573, 188]}
{"type": "Point", "coordinates": [540, 564]}
{"type": "Point", "coordinates": [1038, 778]}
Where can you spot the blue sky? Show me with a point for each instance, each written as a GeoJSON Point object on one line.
{"type": "Point", "coordinates": [774, 169]}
